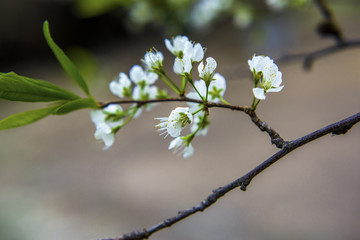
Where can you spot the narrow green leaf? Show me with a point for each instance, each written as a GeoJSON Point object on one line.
{"type": "Point", "coordinates": [19, 88]}
{"type": "Point", "coordinates": [75, 105]}
{"type": "Point", "coordinates": [65, 62]}
{"type": "Point", "coordinates": [25, 118]}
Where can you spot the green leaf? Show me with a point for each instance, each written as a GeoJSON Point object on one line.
{"type": "Point", "coordinates": [25, 118]}
{"type": "Point", "coordinates": [19, 88]}
{"type": "Point", "coordinates": [65, 62]}
{"type": "Point", "coordinates": [74, 105]}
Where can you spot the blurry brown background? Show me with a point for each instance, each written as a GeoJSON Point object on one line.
{"type": "Point", "coordinates": [57, 183]}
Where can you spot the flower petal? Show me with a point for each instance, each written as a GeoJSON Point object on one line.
{"type": "Point", "coordinates": [259, 93]}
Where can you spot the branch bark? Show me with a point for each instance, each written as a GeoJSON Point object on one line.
{"type": "Point", "coordinates": [337, 128]}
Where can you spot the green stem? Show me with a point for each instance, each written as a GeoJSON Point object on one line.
{"type": "Point", "coordinates": [253, 107]}
{"type": "Point", "coordinates": [224, 101]}
{"type": "Point", "coordinates": [192, 84]}
{"type": "Point", "coordinates": [199, 110]}
{"type": "Point", "coordinates": [169, 82]}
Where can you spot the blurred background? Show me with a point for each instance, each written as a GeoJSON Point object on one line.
{"type": "Point", "coordinates": [57, 183]}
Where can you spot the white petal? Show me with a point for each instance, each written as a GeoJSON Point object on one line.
{"type": "Point", "coordinates": [136, 93]}
{"type": "Point", "coordinates": [219, 82]}
{"type": "Point", "coordinates": [210, 65]}
{"type": "Point", "coordinates": [137, 74]}
{"type": "Point", "coordinates": [198, 53]}
{"type": "Point", "coordinates": [259, 93]}
{"type": "Point", "coordinates": [113, 108]}
{"type": "Point", "coordinates": [175, 143]}
{"type": "Point", "coordinates": [201, 68]}
{"type": "Point", "coordinates": [178, 66]}
{"type": "Point", "coordinates": [97, 116]}
{"type": "Point", "coordinates": [151, 78]}
{"type": "Point", "coordinates": [277, 89]}
{"type": "Point", "coordinates": [201, 87]}
{"type": "Point", "coordinates": [169, 46]}
{"type": "Point", "coordinates": [188, 151]}
{"type": "Point", "coordinates": [115, 88]}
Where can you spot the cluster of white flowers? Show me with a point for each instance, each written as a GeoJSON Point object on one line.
{"type": "Point", "coordinates": [267, 76]}
{"type": "Point", "coordinates": [107, 121]}
{"type": "Point", "coordinates": [139, 87]}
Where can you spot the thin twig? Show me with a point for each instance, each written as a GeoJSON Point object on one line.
{"type": "Point", "coordinates": [328, 27]}
{"type": "Point", "coordinates": [340, 127]}
{"type": "Point", "coordinates": [309, 58]}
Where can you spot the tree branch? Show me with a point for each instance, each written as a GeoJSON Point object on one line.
{"type": "Point", "coordinates": [340, 127]}
{"type": "Point", "coordinates": [263, 126]}
{"type": "Point", "coordinates": [309, 58]}
{"type": "Point", "coordinates": [328, 27]}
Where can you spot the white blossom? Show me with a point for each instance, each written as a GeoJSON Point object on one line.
{"type": "Point", "coordinates": [216, 90]}
{"type": "Point", "coordinates": [153, 60]}
{"type": "Point", "coordinates": [267, 74]}
{"type": "Point", "coordinates": [217, 87]}
{"type": "Point", "coordinates": [177, 120]}
{"type": "Point", "coordinates": [121, 87]}
{"type": "Point", "coordinates": [105, 121]}
{"type": "Point", "coordinates": [206, 72]}
{"type": "Point", "coordinates": [258, 64]}
{"type": "Point", "coordinates": [177, 45]}
{"type": "Point", "coordinates": [181, 146]}
{"type": "Point", "coordinates": [194, 51]}
{"type": "Point", "coordinates": [182, 66]}
{"type": "Point", "coordinates": [141, 77]}
{"type": "Point", "coordinates": [199, 123]}
{"type": "Point", "coordinates": [182, 47]}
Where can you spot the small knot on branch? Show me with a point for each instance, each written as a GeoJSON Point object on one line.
{"type": "Point", "coordinates": [244, 184]}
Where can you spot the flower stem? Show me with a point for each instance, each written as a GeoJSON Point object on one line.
{"type": "Point", "coordinates": [169, 82]}
{"type": "Point", "coordinates": [254, 105]}
{"type": "Point", "coordinates": [224, 101]}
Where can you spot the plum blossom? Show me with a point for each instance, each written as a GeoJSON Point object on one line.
{"type": "Point", "coordinates": [121, 87]}
{"type": "Point", "coordinates": [200, 125]}
{"type": "Point", "coordinates": [141, 77]}
{"type": "Point", "coordinates": [206, 72]}
{"type": "Point", "coordinates": [153, 60]}
{"type": "Point", "coordinates": [106, 122]}
{"type": "Point", "coordinates": [182, 66]}
{"type": "Point", "coordinates": [267, 76]}
{"type": "Point", "coordinates": [177, 46]}
{"type": "Point", "coordinates": [177, 120]}
{"type": "Point", "coordinates": [181, 146]}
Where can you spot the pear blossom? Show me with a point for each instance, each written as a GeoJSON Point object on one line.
{"type": "Point", "coordinates": [106, 122]}
{"type": "Point", "coordinates": [181, 146]}
{"type": "Point", "coordinates": [177, 46]}
{"type": "Point", "coordinates": [200, 125]}
{"type": "Point", "coordinates": [182, 66]}
{"type": "Point", "coordinates": [194, 51]}
{"type": "Point", "coordinates": [258, 64]}
{"type": "Point", "coordinates": [177, 120]}
{"type": "Point", "coordinates": [103, 132]}
{"type": "Point", "coordinates": [266, 75]}
{"type": "Point", "coordinates": [206, 72]}
{"type": "Point", "coordinates": [216, 89]}
{"type": "Point", "coordinates": [181, 47]}
{"type": "Point", "coordinates": [121, 87]}
{"type": "Point", "coordinates": [153, 60]}
{"type": "Point", "coordinates": [141, 77]}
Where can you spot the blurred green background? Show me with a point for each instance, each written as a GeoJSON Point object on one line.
{"type": "Point", "coordinates": [56, 182]}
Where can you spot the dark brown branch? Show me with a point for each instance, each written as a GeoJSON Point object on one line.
{"type": "Point", "coordinates": [340, 127]}
{"type": "Point", "coordinates": [263, 126]}
{"type": "Point", "coordinates": [328, 27]}
{"type": "Point", "coordinates": [180, 99]}
{"type": "Point", "coordinates": [309, 58]}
